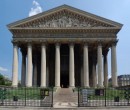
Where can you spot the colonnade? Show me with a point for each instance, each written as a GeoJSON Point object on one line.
{"type": "Point", "coordinates": [102, 64]}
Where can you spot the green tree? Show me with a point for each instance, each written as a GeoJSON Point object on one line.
{"type": "Point", "coordinates": [2, 79]}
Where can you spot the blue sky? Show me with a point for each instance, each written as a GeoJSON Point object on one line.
{"type": "Point", "coordinates": [116, 10]}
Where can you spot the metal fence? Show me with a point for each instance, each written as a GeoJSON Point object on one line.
{"type": "Point", "coordinates": [36, 96]}
{"type": "Point", "coordinates": [90, 97]}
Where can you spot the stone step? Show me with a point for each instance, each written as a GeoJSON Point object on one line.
{"type": "Point", "coordinates": [65, 95]}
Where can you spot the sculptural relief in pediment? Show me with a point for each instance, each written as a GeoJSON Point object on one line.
{"type": "Point", "coordinates": [65, 20]}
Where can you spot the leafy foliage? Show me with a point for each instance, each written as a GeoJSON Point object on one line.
{"type": "Point", "coordinates": [4, 81]}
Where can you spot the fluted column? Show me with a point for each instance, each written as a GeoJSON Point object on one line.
{"type": "Point", "coordinates": [85, 66]}
{"type": "Point", "coordinates": [47, 76]}
{"type": "Point", "coordinates": [29, 66]}
{"type": "Point", "coordinates": [23, 70]}
{"type": "Point", "coordinates": [35, 70]}
{"type": "Point", "coordinates": [47, 70]}
{"type": "Point", "coordinates": [114, 65]}
{"type": "Point", "coordinates": [57, 65]}
{"type": "Point", "coordinates": [100, 70]}
{"type": "Point", "coordinates": [71, 66]}
{"type": "Point", "coordinates": [15, 66]}
{"type": "Point", "coordinates": [94, 74]}
{"type": "Point", "coordinates": [82, 77]}
{"type": "Point", "coordinates": [105, 68]}
{"type": "Point", "coordinates": [43, 65]}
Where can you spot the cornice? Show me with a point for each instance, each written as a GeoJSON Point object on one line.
{"type": "Point", "coordinates": [114, 30]}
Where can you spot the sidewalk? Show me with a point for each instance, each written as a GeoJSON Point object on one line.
{"type": "Point", "coordinates": [87, 108]}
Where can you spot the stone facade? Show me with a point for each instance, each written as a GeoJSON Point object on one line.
{"type": "Point", "coordinates": [123, 80]}
{"type": "Point", "coordinates": [62, 47]}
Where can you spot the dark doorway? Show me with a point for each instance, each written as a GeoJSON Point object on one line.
{"type": "Point", "coordinates": [64, 78]}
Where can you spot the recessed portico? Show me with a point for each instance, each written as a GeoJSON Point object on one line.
{"type": "Point", "coordinates": [64, 62]}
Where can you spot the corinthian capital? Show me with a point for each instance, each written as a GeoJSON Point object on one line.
{"type": "Point", "coordinates": [105, 52]}
{"type": "Point", "coordinates": [14, 42]}
{"type": "Point", "coordinates": [114, 43]}
{"type": "Point", "coordinates": [23, 51]}
{"type": "Point", "coordinates": [100, 42]}
{"type": "Point", "coordinates": [86, 42]}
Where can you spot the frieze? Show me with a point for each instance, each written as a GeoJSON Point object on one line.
{"type": "Point", "coordinates": [87, 35]}
{"type": "Point", "coordinates": [58, 40]}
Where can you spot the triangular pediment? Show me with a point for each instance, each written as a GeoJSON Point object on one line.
{"type": "Point", "coordinates": [64, 17]}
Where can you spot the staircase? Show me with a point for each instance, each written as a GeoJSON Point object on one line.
{"type": "Point", "coordinates": [65, 95]}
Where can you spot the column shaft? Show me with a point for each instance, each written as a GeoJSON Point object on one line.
{"type": "Point", "coordinates": [71, 67]}
{"type": "Point", "coordinates": [94, 71]}
{"type": "Point", "coordinates": [57, 66]}
{"type": "Point", "coordinates": [85, 66]}
{"type": "Point", "coordinates": [35, 71]}
{"type": "Point", "coordinates": [29, 67]}
{"type": "Point", "coordinates": [100, 71]}
{"type": "Point", "coordinates": [82, 77]}
{"type": "Point", "coordinates": [47, 76]}
{"type": "Point", "coordinates": [105, 71]}
{"type": "Point", "coordinates": [15, 66]}
{"type": "Point", "coordinates": [114, 65]}
{"type": "Point", "coordinates": [23, 71]}
{"type": "Point", "coordinates": [43, 66]}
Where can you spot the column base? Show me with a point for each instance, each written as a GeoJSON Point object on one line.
{"type": "Point", "coordinates": [28, 86]}
{"type": "Point", "coordinates": [43, 86]}
{"type": "Point", "coordinates": [86, 86]}
{"type": "Point", "coordinates": [34, 86]}
{"type": "Point", "coordinates": [94, 87]}
{"type": "Point", "coordinates": [71, 87]}
{"type": "Point", "coordinates": [100, 86]}
{"type": "Point", "coordinates": [114, 85]}
{"type": "Point", "coordinates": [57, 87]}
{"type": "Point", "coordinates": [106, 86]}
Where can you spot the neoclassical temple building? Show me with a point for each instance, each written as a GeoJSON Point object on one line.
{"type": "Point", "coordinates": [64, 47]}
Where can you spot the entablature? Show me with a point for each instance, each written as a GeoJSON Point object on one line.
{"type": "Point", "coordinates": [92, 43]}
{"type": "Point", "coordinates": [63, 40]}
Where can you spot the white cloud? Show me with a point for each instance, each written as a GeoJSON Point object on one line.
{"type": "Point", "coordinates": [35, 3]}
{"type": "Point", "coordinates": [109, 75]}
{"type": "Point", "coordinates": [2, 69]}
{"type": "Point", "coordinates": [35, 9]}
